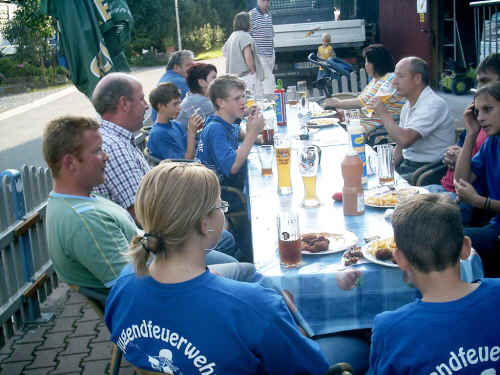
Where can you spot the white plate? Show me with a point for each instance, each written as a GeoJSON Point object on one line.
{"type": "Point", "coordinates": [322, 114]}
{"type": "Point", "coordinates": [369, 256]}
{"type": "Point", "coordinates": [420, 190]}
{"type": "Point", "coordinates": [322, 122]}
{"type": "Point", "coordinates": [338, 242]}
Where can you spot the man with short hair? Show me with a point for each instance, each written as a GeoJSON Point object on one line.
{"type": "Point", "coordinates": [261, 30]}
{"type": "Point", "coordinates": [426, 127]}
{"type": "Point", "coordinates": [176, 73]}
{"type": "Point", "coordinates": [119, 99]}
{"type": "Point", "coordinates": [87, 234]}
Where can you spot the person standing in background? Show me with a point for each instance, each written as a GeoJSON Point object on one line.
{"type": "Point", "coordinates": [261, 30]}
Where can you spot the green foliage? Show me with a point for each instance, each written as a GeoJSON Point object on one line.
{"type": "Point", "coordinates": [148, 59]}
{"type": "Point", "coordinates": [155, 21]}
{"type": "Point", "coordinates": [30, 29]}
{"type": "Point", "coordinates": [204, 38]}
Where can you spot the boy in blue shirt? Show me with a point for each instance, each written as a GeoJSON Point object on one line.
{"type": "Point", "coordinates": [454, 327]}
{"type": "Point", "coordinates": [218, 147]}
{"type": "Point", "coordinates": [168, 138]}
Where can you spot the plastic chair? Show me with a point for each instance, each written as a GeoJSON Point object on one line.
{"type": "Point", "coordinates": [430, 174]}
{"type": "Point", "coordinates": [97, 300]}
{"type": "Point", "coordinates": [152, 160]}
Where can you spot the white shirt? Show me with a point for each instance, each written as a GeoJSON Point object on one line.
{"type": "Point", "coordinates": [429, 117]}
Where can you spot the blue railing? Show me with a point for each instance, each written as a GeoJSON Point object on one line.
{"type": "Point", "coordinates": [26, 273]}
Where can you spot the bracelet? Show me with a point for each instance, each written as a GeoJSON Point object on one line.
{"type": "Point", "coordinates": [486, 204]}
{"type": "Point", "coordinates": [489, 204]}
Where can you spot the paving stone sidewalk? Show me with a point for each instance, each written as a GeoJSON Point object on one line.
{"type": "Point", "coordinates": [74, 341]}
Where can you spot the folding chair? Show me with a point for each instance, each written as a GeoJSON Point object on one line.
{"type": "Point", "coordinates": [97, 300]}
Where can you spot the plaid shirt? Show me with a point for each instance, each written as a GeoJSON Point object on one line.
{"type": "Point", "coordinates": [125, 167]}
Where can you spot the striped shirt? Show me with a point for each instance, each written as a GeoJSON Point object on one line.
{"type": "Point", "coordinates": [261, 30]}
{"type": "Point", "coordinates": [125, 167]}
{"type": "Point", "coordinates": [393, 105]}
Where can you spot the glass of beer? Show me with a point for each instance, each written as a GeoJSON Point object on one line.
{"type": "Point", "coordinates": [308, 167]}
{"type": "Point", "coordinates": [289, 239]}
{"type": "Point", "coordinates": [385, 164]}
{"type": "Point", "coordinates": [266, 157]}
{"type": "Point", "coordinates": [283, 152]}
{"type": "Point", "coordinates": [383, 93]}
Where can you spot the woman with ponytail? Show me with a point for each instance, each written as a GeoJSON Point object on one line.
{"type": "Point", "coordinates": [174, 315]}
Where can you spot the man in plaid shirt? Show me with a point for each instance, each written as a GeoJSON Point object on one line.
{"type": "Point", "coordinates": [119, 99]}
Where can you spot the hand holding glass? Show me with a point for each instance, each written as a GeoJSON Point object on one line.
{"type": "Point", "coordinates": [385, 92]}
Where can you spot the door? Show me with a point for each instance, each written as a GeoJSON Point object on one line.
{"type": "Point", "coordinates": [402, 33]}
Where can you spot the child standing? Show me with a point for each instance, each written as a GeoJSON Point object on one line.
{"type": "Point", "coordinates": [168, 138]}
{"type": "Point", "coordinates": [454, 327]}
{"type": "Point", "coordinates": [325, 51]}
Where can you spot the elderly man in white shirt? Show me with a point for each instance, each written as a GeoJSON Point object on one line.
{"type": "Point", "coordinates": [426, 127]}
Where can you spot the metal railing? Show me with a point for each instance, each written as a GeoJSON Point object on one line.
{"type": "Point", "coordinates": [26, 273]}
{"type": "Point", "coordinates": [486, 28]}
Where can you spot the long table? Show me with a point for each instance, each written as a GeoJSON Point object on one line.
{"type": "Point", "coordinates": [323, 300]}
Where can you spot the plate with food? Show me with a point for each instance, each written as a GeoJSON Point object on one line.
{"type": "Point", "coordinates": [322, 122]}
{"type": "Point", "coordinates": [327, 243]}
{"type": "Point", "coordinates": [389, 198]}
{"type": "Point", "coordinates": [352, 256]}
{"type": "Point", "coordinates": [321, 114]}
{"type": "Point", "coordinates": [380, 251]}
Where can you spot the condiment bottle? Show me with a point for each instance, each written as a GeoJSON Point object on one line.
{"type": "Point", "coordinates": [352, 192]}
{"type": "Point", "coordinates": [357, 141]}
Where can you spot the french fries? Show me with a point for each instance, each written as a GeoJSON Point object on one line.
{"type": "Point", "coordinates": [386, 243]}
{"type": "Point", "coordinates": [387, 199]}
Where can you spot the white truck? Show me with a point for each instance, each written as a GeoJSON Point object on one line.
{"type": "Point", "coordinates": [299, 24]}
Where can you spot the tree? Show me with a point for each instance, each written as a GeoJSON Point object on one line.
{"type": "Point", "coordinates": [155, 21]}
{"type": "Point", "coordinates": [30, 30]}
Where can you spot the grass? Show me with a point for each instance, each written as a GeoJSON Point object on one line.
{"type": "Point", "coordinates": [212, 54]}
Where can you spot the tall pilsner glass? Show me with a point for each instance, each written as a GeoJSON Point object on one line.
{"type": "Point", "coordinates": [283, 160]}
{"type": "Point", "coordinates": [308, 166]}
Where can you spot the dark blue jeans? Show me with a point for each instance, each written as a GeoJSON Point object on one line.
{"type": "Point", "coordinates": [485, 241]}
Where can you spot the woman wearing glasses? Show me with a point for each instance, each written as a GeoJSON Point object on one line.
{"type": "Point", "coordinates": [176, 316]}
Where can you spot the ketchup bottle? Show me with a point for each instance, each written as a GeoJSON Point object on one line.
{"type": "Point", "coordinates": [352, 192]}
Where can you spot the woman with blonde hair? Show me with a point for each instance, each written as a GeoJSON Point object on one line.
{"type": "Point", "coordinates": [174, 314]}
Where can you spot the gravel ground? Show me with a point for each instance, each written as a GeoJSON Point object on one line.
{"type": "Point", "coordinates": [12, 101]}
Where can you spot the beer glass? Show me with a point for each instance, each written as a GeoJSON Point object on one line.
{"type": "Point", "coordinates": [266, 157]}
{"type": "Point", "coordinates": [385, 165]}
{"type": "Point", "coordinates": [383, 93]}
{"type": "Point", "coordinates": [270, 125]}
{"type": "Point", "coordinates": [289, 239]}
{"type": "Point", "coordinates": [282, 149]}
{"type": "Point", "coordinates": [291, 95]}
{"type": "Point", "coordinates": [302, 97]}
{"type": "Point", "coordinates": [308, 167]}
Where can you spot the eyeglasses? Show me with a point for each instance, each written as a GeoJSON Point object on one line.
{"type": "Point", "coordinates": [223, 205]}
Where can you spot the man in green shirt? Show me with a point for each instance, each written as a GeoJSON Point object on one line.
{"type": "Point", "coordinates": [87, 234]}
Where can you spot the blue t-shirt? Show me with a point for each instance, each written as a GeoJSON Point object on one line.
{"type": "Point", "coordinates": [167, 140]}
{"type": "Point", "coordinates": [486, 166]}
{"type": "Point", "coordinates": [176, 79]}
{"type": "Point", "coordinates": [458, 337]}
{"type": "Point", "coordinates": [218, 145]}
{"type": "Point", "coordinates": [208, 325]}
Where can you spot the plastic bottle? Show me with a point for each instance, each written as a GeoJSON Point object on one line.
{"type": "Point", "coordinates": [352, 192]}
{"type": "Point", "coordinates": [357, 140]}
